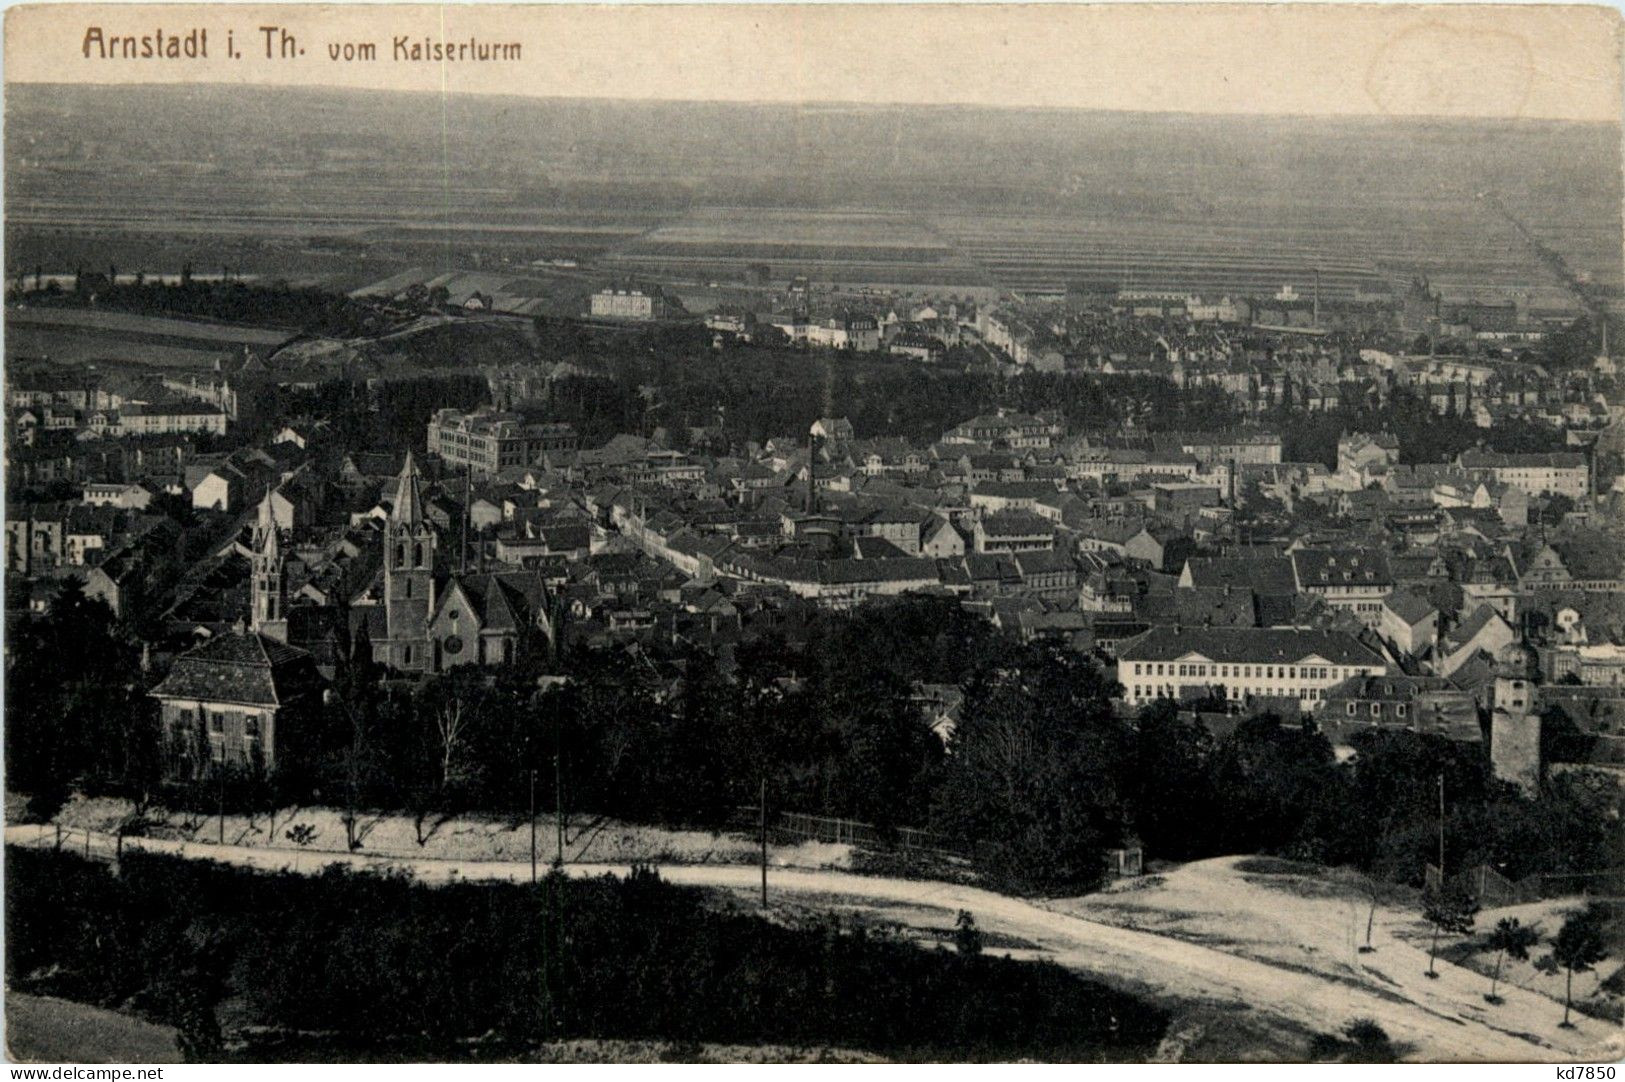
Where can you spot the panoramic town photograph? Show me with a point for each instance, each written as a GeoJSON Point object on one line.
{"type": "Point", "coordinates": [813, 534]}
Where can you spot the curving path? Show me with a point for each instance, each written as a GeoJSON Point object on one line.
{"type": "Point", "coordinates": [1432, 1020]}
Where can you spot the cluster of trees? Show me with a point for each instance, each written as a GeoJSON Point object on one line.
{"type": "Point", "coordinates": [1581, 942]}
{"type": "Point", "coordinates": [673, 377]}
{"type": "Point", "coordinates": [309, 309]}
{"type": "Point", "coordinates": [374, 962]}
{"type": "Point", "coordinates": [390, 416]}
{"type": "Point", "coordinates": [77, 712]}
{"type": "Point", "coordinates": [1041, 775]}
{"type": "Point", "coordinates": [1423, 435]}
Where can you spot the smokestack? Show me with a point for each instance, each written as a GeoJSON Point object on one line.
{"type": "Point", "coordinates": [812, 480]}
{"type": "Point", "coordinates": [1317, 297]}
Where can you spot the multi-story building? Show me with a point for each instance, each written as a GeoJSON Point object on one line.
{"type": "Point", "coordinates": [1007, 429]}
{"type": "Point", "coordinates": [167, 418]}
{"type": "Point", "coordinates": [845, 331]}
{"type": "Point", "coordinates": [632, 304]}
{"type": "Point", "coordinates": [1562, 473]}
{"type": "Point", "coordinates": [221, 702]}
{"type": "Point", "coordinates": [1013, 531]}
{"type": "Point", "coordinates": [1350, 579]}
{"type": "Point", "coordinates": [1218, 448]}
{"type": "Point", "coordinates": [1241, 664]}
{"type": "Point", "coordinates": [488, 441]}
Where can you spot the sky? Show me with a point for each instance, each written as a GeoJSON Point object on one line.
{"type": "Point", "coordinates": [1548, 62]}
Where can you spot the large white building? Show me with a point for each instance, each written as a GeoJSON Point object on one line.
{"type": "Point", "coordinates": [1561, 473]}
{"type": "Point", "coordinates": [634, 304]}
{"type": "Point", "coordinates": [490, 441]}
{"type": "Point", "coordinates": [1241, 664]}
{"type": "Point", "coordinates": [854, 333]}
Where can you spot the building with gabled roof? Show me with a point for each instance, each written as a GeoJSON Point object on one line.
{"type": "Point", "coordinates": [221, 702]}
{"type": "Point", "coordinates": [1354, 580]}
{"type": "Point", "coordinates": [1243, 665]}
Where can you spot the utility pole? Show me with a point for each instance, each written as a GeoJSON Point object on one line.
{"type": "Point", "coordinates": [222, 801]}
{"type": "Point", "coordinates": [1441, 827]}
{"type": "Point", "coordinates": [558, 808]}
{"type": "Point", "coordinates": [468, 513]}
{"type": "Point", "coordinates": [764, 840]}
{"type": "Point", "coordinates": [533, 827]}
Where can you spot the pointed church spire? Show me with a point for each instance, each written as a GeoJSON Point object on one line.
{"type": "Point", "coordinates": [266, 543]}
{"type": "Point", "coordinates": [268, 603]}
{"type": "Point", "coordinates": [408, 507]}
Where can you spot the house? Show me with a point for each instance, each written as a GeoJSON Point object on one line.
{"type": "Point", "coordinates": [1047, 573]}
{"type": "Point", "coordinates": [129, 497]}
{"type": "Point", "coordinates": [1409, 621]}
{"type": "Point", "coordinates": [1013, 531]}
{"type": "Point", "coordinates": [1361, 453]}
{"type": "Point", "coordinates": [1430, 705]}
{"type": "Point", "coordinates": [940, 539]}
{"type": "Point", "coordinates": [222, 703]}
{"type": "Point", "coordinates": [1354, 580]}
{"type": "Point", "coordinates": [1270, 579]}
{"type": "Point", "coordinates": [834, 429]}
{"type": "Point", "coordinates": [1162, 547]}
{"type": "Point", "coordinates": [1482, 631]}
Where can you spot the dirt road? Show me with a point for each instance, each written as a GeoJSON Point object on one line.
{"type": "Point", "coordinates": [1431, 1020]}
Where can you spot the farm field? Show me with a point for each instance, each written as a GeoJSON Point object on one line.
{"type": "Point", "coordinates": [329, 186]}
{"type": "Point", "coordinates": [832, 245]}
{"type": "Point", "coordinates": [74, 335]}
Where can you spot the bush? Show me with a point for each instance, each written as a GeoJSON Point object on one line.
{"type": "Point", "coordinates": [381, 962]}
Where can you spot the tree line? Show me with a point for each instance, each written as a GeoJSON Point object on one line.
{"type": "Point", "coordinates": [1041, 775]}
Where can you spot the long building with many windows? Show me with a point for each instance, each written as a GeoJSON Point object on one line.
{"type": "Point", "coordinates": [489, 441]}
{"type": "Point", "coordinates": [1241, 664]}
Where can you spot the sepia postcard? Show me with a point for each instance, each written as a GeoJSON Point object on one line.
{"type": "Point", "coordinates": [813, 533]}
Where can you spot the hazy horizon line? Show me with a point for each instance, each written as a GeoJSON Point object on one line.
{"type": "Point", "coordinates": [821, 103]}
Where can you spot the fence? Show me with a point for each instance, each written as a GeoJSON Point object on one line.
{"type": "Point", "coordinates": [822, 828]}
{"type": "Point", "coordinates": [1492, 889]}
{"type": "Point", "coordinates": [1119, 862]}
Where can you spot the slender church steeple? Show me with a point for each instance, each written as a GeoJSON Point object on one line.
{"type": "Point", "coordinates": [409, 554]}
{"type": "Point", "coordinates": [268, 608]}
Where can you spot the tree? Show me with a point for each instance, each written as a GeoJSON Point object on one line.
{"type": "Point", "coordinates": [1510, 939]}
{"type": "Point", "coordinates": [1171, 801]}
{"type": "Point", "coordinates": [1450, 910]}
{"type": "Point", "coordinates": [1579, 946]}
{"type": "Point", "coordinates": [1033, 779]}
{"type": "Point", "coordinates": [1375, 887]}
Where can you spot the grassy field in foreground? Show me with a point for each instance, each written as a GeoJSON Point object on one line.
{"type": "Point", "coordinates": [43, 1029]}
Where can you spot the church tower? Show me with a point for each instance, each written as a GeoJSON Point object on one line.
{"type": "Point", "coordinates": [1514, 722]}
{"type": "Point", "coordinates": [268, 609]}
{"type": "Point", "coordinates": [409, 551]}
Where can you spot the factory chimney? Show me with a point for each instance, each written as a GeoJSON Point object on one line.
{"type": "Point", "coordinates": [812, 478]}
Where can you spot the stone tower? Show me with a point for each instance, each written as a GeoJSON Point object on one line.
{"type": "Point", "coordinates": [268, 608]}
{"type": "Point", "coordinates": [409, 554]}
{"type": "Point", "coordinates": [1514, 723]}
